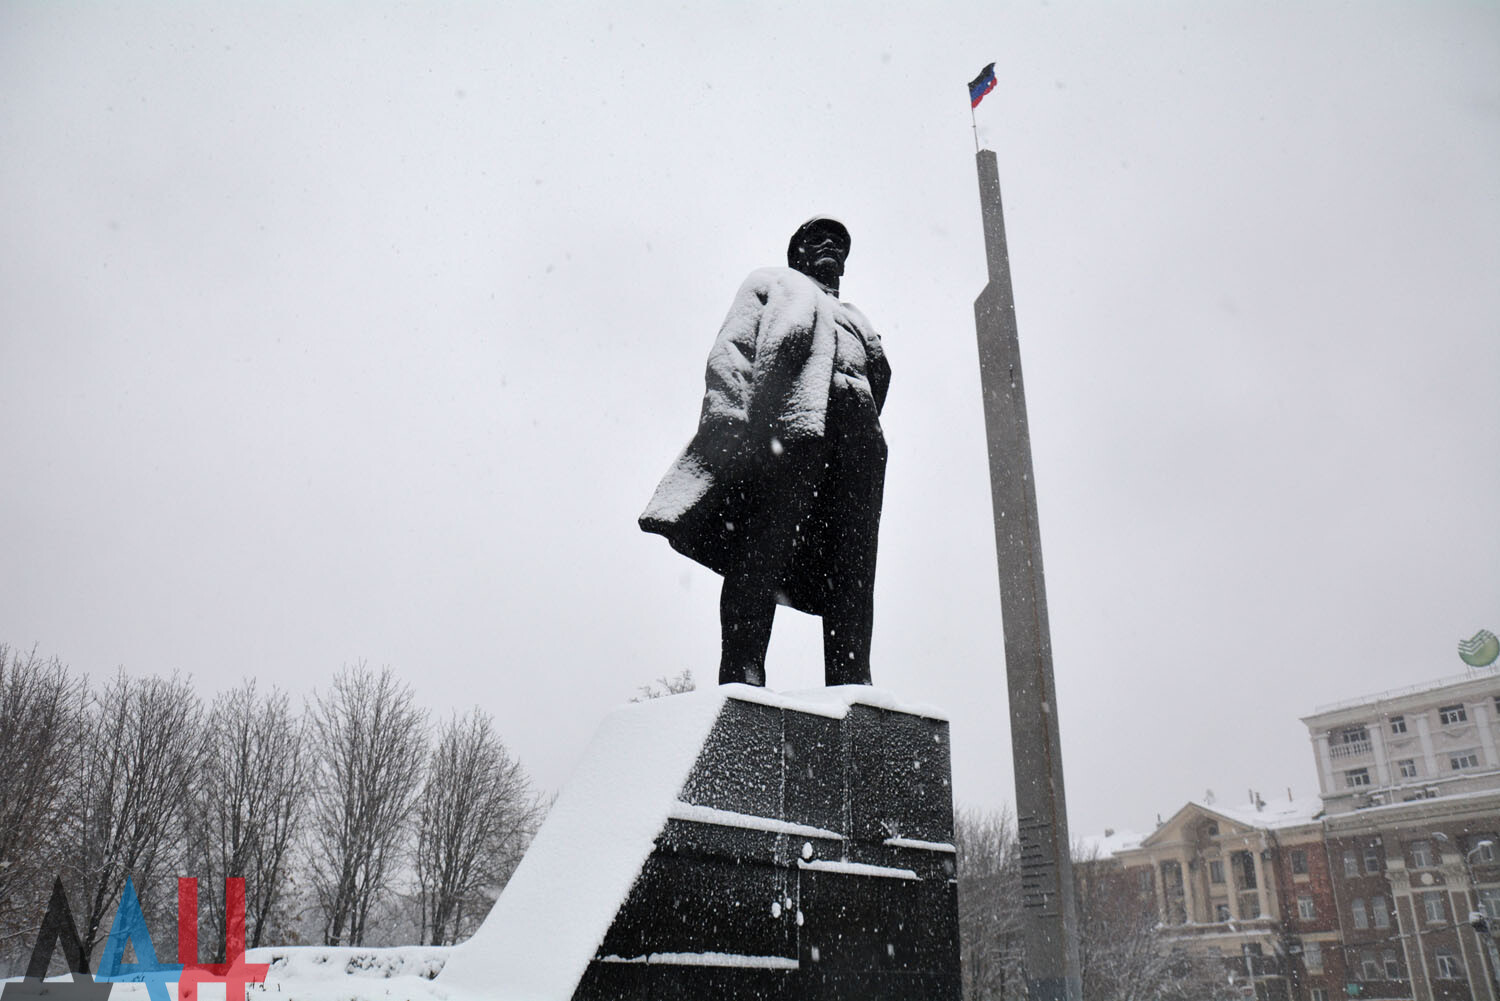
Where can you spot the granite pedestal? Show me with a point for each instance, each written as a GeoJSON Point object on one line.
{"type": "Point", "coordinates": [804, 853]}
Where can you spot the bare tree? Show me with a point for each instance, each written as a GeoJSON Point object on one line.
{"type": "Point", "coordinates": [1123, 953]}
{"type": "Point", "coordinates": [989, 906]}
{"type": "Point", "coordinates": [664, 686]}
{"type": "Point", "coordinates": [141, 749]}
{"type": "Point", "coordinates": [370, 745]}
{"type": "Point", "coordinates": [248, 806]}
{"type": "Point", "coordinates": [41, 710]}
{"type": "Point", "coordinates": [477, 814]}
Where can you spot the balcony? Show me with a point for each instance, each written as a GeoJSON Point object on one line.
{"type": "Point", "coordinates": [1351, 749]}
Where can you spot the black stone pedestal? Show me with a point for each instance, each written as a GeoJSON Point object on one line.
{"type": "Point", "coordinates": [808, 856]}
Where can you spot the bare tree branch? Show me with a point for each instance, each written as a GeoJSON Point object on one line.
{"type": "Point", "coordinates": [370, 743]}
{"type": "Point", "coordinates": [141, 750]}
{"type": "Point", "coordinates": [41, 711]}
{"type": "Point", "coordinates": [477, 815]}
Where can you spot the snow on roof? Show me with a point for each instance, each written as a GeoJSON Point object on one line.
{"type": "Point", "coordinates": [1421, 687]}
{"type": "Point", "coordinates": [1275, 814]}
{"type": "Point", "coordinates": [1102, 846]}
{"type": "Point", "coordinates": [1425, 803]}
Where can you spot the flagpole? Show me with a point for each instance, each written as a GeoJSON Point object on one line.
{"type": "Point", "coordinates": [1049, 911]}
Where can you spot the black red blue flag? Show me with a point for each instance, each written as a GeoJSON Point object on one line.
{"type": "Point", "coordinates": [981, 85]}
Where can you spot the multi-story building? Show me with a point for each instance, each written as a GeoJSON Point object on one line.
{"type": "Point", "coordinates": [1367, 891]}
{"type": "Point", "coordinates": [1248, 884]}
{"type": "Point", "coordinates": [1423, 742]}
{"type": "Point", "coordinates": [1411, 787]}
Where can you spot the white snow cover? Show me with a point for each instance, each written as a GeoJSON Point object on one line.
{"type": "Point", "coordinates": [929, 846]}
{"type": "Point", "coordinates": [548, 924]}
{"type": "Point", "coordinates": [834, 701]}
{"type": "Point", "coordinates": [858, 869]}
{"type": "Point", "coordinates": [728, 818]}
{"type": "Point", "coordinates": [331, 973]}
{"type": "Point", "coordinates": [709, 959]}
{"type": "Point", "coordinates": [1089, 846]}
{"type": "Point", "coordinates": [1276, 813]}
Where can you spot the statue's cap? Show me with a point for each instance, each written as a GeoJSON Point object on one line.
{"type": "Point", "coordinates": [818, 222]}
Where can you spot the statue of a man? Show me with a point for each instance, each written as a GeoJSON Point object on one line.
{"type": "Point", "coordinates": [780, 489]}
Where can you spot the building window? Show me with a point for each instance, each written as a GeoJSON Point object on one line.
{"type": "Point", "coordinates": [1449, 715]}
{"type": "Point", "coordinates": [1398, 724]}
{"type": "Point", "coordinates": [1143, 879]}
{"type": "Point", "coordinates": [1306, 909]}
{"type": "Point", "coordinates": [1391, 963]}
{"type": "Point", "coordinates": [1246, 863]}
{"type": "Point", "coordinates": [1312, 956]}
{"type": "Point", "coordinates": [1320, 994]}
{"type": "Point", "coordinates": [1221, 912]}
{"type": "Point", "coordinates": [1351, 864]}
{"type": "Point", "coordinates": [1421, 855]}
{"type": "Point", "coordinates": [1408, 768]}
{"type": "Point", "coordinates": [1380, 915]}
{"type": "Point", "coordinates": [1489, 901]}
{"type": "Point", "coordinates": [1356, 777]}
{"type": "Point", "coordinates": [1212, 828]}
{"type": "Point", "coordinates": [1372, 860]}
{"type": "Point", "coordinates": [1432, 903]}
{"type": "Point", "coordinates": [1216, 870]}
{"type": "Point", "coordinates": [1497, 705]}
{"type": "Point", "coordinates": [1369, 966]}
{"type": "Point", "coordinates": [1460, 760]}
{"type": "Point", "coordinates": [1356, 735]}
{"type": "Point", "coordinates": [1361, 919]}
{"type": "Point", "coordinates": [1447, 965]}
{"type": "Point", "coordinates": [1299, 863]}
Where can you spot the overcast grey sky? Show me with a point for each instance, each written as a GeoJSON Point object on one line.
{"type": "Point", "coordinates": [360, 331]}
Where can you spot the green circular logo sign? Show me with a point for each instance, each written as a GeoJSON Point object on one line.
{"type": "Point", "coordinates": [1481, 650]}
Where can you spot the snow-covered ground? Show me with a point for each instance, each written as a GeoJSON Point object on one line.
{"type": "Point", "coordinates": [329, 973]}
{"type": "Point", "coordinates": [549, 921]}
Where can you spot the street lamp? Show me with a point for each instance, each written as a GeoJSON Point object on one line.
{"type": "Point", "coordinates": [1478, 920]}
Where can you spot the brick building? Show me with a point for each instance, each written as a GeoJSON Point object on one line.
{"type": "Point", "coordinates": [1366, 891]}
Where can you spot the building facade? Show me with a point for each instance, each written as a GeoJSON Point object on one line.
{"type": "Point", "coordinates": [1384, 887]}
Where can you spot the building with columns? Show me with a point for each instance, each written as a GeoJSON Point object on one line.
{"type": "Point", "coordinates": [1248, 884]}
{"type": "Point", "coordinates": [1368, 891]}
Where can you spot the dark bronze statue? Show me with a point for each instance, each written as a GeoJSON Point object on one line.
{"type": "Point", "coordinates": [780, 489]}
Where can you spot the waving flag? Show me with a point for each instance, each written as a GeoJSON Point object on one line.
{"type": "Point", "coordinates": [981, 85]}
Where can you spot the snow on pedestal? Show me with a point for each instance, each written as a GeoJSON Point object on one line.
{"type": "Point", "coordinates": [736, 843]}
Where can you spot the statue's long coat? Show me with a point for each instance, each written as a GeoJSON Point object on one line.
{"type": "Point", "coordinates": [747, 487]}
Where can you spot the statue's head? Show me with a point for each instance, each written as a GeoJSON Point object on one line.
{"type": "Point", "coordinates": [818, 249]}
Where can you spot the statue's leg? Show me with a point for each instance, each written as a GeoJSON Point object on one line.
{"type": "Point", "coordinates": [847, 626]}
{"type": "Point", "coordinates": [747, 608]}
{"type": "Point", "coordinates": [849, 618]}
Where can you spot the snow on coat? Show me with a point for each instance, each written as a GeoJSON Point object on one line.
{"type": "Point", "coordinates": [771, 373]}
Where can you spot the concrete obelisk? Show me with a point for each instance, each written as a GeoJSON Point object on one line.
{"type": "Point", "coordinates": [1049, 913]}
